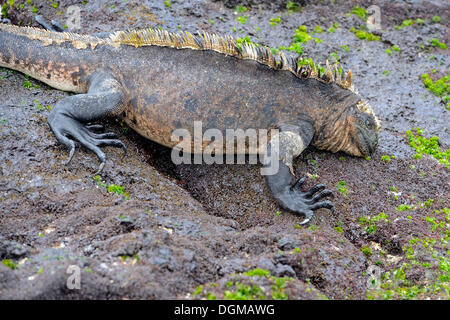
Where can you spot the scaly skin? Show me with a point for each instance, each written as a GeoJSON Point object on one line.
{"type": "Point", "coordinates": [158, 89]}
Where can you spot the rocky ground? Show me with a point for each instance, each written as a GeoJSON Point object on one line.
{"type": "Point", "coordinates": [149, 229]}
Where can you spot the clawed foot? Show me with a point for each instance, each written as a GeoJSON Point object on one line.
{"type": "Point", "coordinates": [305, 203]}
{"type": "Point", "coordinates": [66, 129]}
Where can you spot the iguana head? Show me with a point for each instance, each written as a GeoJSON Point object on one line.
{"type": "Point", "coordinates": [343, 120]}
{"type": "Point", "coordinates": [353, 129]}
{"type": "Point", "coordinates": [362, 130]}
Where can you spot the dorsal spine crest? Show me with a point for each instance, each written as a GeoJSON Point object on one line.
{"type": "Point", "coordinates": [186, 40]}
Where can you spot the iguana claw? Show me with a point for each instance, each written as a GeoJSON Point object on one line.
{"type": "Point", "coordinates": [66, 129]}
{"type": "Point", "coordinates": [72, 152]}
{"type": "Point", "coordinates": [100, 168]}
{"type": "Point", "coordinates": [290, 197]}
{"type": "Point", "coordinates": [306, 202]}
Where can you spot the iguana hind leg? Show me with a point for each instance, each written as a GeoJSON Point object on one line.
{"type": "Point", "coordinates": [69, 117]}
{"type": "Point", "coordinates": [289, 143]}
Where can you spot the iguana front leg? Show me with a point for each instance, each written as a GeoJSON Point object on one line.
{"type": "Point", "coordinates": [282, 149]}
{"type": "Point", "coordinates": [68, 117]}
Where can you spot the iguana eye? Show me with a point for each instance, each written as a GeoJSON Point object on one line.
{"type": "Point", "coordinates": [369, 123]}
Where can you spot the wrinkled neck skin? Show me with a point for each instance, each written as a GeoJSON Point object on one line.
{"type": "Point", "coordinates": [335, 129]}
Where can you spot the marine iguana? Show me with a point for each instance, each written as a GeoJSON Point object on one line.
{"type": "Point", "coordinates": [158, 81]}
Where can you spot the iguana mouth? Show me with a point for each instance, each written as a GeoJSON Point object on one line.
{"type": "Point", "coordinates": [368, 142]}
